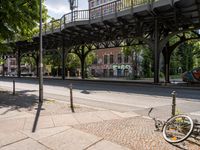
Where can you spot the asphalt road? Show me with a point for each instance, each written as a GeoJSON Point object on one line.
{"type": "Point", "coordinates": [110, 95]}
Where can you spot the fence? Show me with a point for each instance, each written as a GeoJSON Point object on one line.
{"type": "Point", "coordinates": [93, 13]}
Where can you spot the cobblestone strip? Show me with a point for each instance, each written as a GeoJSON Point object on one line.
{"type": "Point", "coordinates": [135, 133]}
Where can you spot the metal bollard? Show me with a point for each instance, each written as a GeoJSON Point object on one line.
{"type": "Point", "coordinates": [173, 103]}
{"type": "Point", "coordinates": [71, 98]}
{"type": "Point", "coordinates": [13, 87]}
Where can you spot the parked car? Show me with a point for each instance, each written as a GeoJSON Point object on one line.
{"type": "Point", "coordinates": [192, 76]}
{"type": "Point", "coordinates": [26, 74]}
{"type": "Point", "coordinates": [12, 74]}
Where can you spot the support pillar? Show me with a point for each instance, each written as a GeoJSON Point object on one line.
{"type": "Point", "coordinates": [3, 67]}
{"type": "Point", "coordinates": [63, 63]}
{"type": "Point", "coordinates": [83, 67]}
{"type": "Point", "coordinates": [19, 63]}
{"type": "Point", "coordinates": [166, 55]}
{"type": "Point", "coordinates": [156, 52]}
{"type": "Point", "coordinates": [82, 58]}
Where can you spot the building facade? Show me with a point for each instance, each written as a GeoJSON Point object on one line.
{"type": "Point", "coordinates": [10, 65]}
{"type": "Point", "coordinates": [111, 63]}
{"type": "Point", "coordinates": [10, 68]}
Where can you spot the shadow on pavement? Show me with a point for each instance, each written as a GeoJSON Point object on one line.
{"type": "Point", "coordinates": [17, 102]}
{"type": "Point", "coordinates": [37, 116]}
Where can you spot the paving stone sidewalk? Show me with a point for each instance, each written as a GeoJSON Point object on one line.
{"type": "Point", "coordinates": [26, 124]}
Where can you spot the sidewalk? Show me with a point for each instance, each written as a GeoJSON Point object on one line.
{"type": "Point", "coordinates": [27, 125]}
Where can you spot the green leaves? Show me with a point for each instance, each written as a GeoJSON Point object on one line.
{"type": "Point", "coordinates": [18, 19]}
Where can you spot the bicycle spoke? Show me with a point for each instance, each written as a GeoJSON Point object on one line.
{"type": "Point", "coordinates": [178, 128]}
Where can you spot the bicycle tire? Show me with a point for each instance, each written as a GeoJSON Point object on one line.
{"type": "Point", "coordinates": [178, 125]}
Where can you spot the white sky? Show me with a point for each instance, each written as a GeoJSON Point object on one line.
{"type": "Point", "coordinates": [57, 8]}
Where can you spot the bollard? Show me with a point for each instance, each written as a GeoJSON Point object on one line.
{"type": "Point", "coordinates": [71, 98]}
{"type": "Point", "coordinates": [173, 103]}
{"type": "Point", "coordinates": [13, 87]}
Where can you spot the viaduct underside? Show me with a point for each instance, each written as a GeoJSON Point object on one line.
{"type": "Point", "coordinates": [130, 22]}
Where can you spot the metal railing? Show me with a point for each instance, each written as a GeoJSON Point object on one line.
{"type": "Point", "coordinates": [94, 13]}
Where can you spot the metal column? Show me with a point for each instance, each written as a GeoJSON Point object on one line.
{"type": "Point", "coordinates": [3, 67]}
{"type": "Point", "coordinates": [63, 62]}
{"type": "Point", "coordinates": [166, 63]}
{"type": "Point", "coordinates": [156, 52]}
{"type": "Point", "coordinates": [19, 63]}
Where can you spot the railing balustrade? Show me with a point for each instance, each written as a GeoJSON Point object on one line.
{"type": "Point", "coordinates": [94, 13]}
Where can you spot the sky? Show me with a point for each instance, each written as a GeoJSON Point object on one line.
{"type": "Point", "coordinates": [57, 8]}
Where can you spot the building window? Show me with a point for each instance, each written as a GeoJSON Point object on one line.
{"type": "Point", "coordinates": [125, 59]}
{"type": "Point", "coordinates": [111, 59]}
{"type": "Point", "coordinates": [95, 61]}
{"type": "Point", "coordinates": [111, 72]}
{"type": "Point", "coordinates": [93, 72]}
{"type": "Point", "coordinates": [105, 59]}
{"type": "Point", "coordinates": [126, 72]}
{"type": "Point", "coordinates": [98, 2]}
{"type": "Point", "coordinates": [119, 58]}
{"type": "Point", "coordinates": [105, 72]}
{"type": "Point", "coordinates": [12, 62]}
{"type": "Point", "coordinates": [91, 4]}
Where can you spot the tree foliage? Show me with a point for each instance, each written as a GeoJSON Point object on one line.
{"type": "Point", "coordinates": [19, 19]}
{"type": "Point", "coordinates": [187, 55]}
{"type": "Point", "coordinates": [134, 52]}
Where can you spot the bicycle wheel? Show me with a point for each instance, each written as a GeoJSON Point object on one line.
{"type": "Point", "coordinates": [178, 128]}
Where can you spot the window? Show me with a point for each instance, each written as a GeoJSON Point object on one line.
{"type": "Point", "coordinates": [105, 72]}
{"type": "Point", "coordinates": [105, 59]}
{"type": "Point", "coordinates": [126, 72]}
{"type": "Point", "coordinates": [91, 4]}
{"type": "Point", "coordinates": [110, 72]}
{"type": "Point", "coordinates": [119, 58]}
{"type": "Point", "coordinates": [95, 61]}
{"type": "Point", "coordinates": [98, 2]}
{"type": "Point", "coordinates": [125, 59]}
{"type": "Point", "coordinates": [93, 72]}
{"type": "Point", "coordinates": [111, 59]}
{"type": "Point", "coordinates": [12, 62]}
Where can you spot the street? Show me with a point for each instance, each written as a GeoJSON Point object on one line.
{"type": "Point", "coordinates": [122, 97]}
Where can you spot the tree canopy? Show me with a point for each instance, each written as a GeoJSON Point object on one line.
{"type": "Point", "coordinates": [19, 19]}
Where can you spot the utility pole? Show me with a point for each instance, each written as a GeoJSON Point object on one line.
{"type": "Point", "coordinates": [41, 59]}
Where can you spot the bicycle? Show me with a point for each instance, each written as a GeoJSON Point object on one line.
{"type": "Point", "coordinates": [177, 128]}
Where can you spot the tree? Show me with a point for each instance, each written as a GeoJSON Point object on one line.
{"type": "Point", "coordinates": [73, 61]}
{"type": "Point", "coordinates": [134, 52]}
{"type": "Point", "coordinates": [147, 63]}
{"type": "Point", "coordinates": [19, 19]}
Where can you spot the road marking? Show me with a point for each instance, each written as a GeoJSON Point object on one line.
{"type": "Point", "coordinates": [197, 113]}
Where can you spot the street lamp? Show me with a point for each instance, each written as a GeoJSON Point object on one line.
{"type": "Point", "coordinates": [41, 59]}
{"type": "Point", "coordinates": [73, 4]}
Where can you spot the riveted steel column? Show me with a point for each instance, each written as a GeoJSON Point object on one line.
{"type": "Point", "coordinates": [82, 62]}
{"type": "Point", "coordinates": [156, 53]}
{"type": "Point", "coordinates": [3, 66]}
{"type": "Point", "coordinates": [19, 63]}
{"type": "Point", "coordinates": [166, 63]}
{"type": "Point", "coordinates": [63, 62]}
{"type": "Point", "coordinates": [3, 70]}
